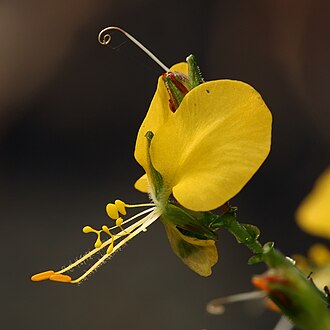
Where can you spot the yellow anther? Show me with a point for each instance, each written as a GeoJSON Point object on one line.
{"type": "Point", "coordinates": [88, 229]}
{"type": "Point", "coordinates": [119, 222]}
{"type": "Point", "coordinates": [110, 248]}
{"type": "Point", "coordinates": [98, 241]}
{"type": "Point", "coordinates": [106, 230]}
{"type": "Point", "coordinates": [112, 211]}
{"type": "Point", "coordinates": [121, 206]}
{"type": "Point", "coordinates": [42, 276]}
{"type": "Point", "coordinates": [60, 278]}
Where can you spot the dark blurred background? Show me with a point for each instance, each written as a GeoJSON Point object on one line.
{"type": "Point", "coordinates": [69, 113]}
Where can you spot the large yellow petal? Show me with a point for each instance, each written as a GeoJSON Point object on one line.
{"type": "Point", "coordinates": [213, 144]}
{"type": "Point", "coordinates": [313, 215]}
{"type": "Point", "coordinates": [142, 184]}
{"type": "Point", "coordinates": [158, 113]}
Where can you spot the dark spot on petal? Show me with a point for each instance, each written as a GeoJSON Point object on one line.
{"type": "Point", "coordinates": [207, 91]}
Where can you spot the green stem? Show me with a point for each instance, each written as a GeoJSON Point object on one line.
{"type": "Point", "coordinates": [243, 234]}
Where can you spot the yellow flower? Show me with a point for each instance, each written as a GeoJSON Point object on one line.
{"type": "Point", "coordinates": [211, 146]}
{"type": "Point", "coordinates": [313, 215]}
{"type": "Point", "coordinates": [316, 264]}
{"type": "Point", "coordinates": [196, 157]}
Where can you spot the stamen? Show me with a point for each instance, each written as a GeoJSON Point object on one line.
{"type": "Point", "coordinates": [143, 224]}
{"type": "Point", "coordinates": [88, 229]}
{"type": "Point", "coordinates": [60, 278]}
{"type": "Point", "coordinates": [119, 222]}
{"type": "Point", "coordinates": [107, 231]}
{"type": "Point", "coordinates": [104, 38]}
{"type": "Point", "coordinates": [121, 206]}
{"type": "Point", "coordinates": [136, 216]}
{"type": "Point", "coordinates": [130, 232]}
{"type": "Point", "coordinates": [112, 211]}
{"type": "Point", "coordinates": [216, 306]}
{"type": "Point", "coordinates": [139, 205]}
{"type": "Point", "coordinates": [42, 276]}
{"type": "Point", "coordinates": [106, 243]}
{"type": "Point", "coordinates": [283, 324]}
{"type": "Point", "coordinates": [110, 248]}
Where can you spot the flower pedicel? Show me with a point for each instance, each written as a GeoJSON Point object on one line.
{"type": "Point", "coordinates": [199, 144]}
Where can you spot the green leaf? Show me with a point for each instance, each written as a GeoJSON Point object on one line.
{"type": "Point", "coordinates": [254, 231]}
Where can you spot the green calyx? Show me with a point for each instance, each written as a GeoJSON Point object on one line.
{"type": "Point", "coordinates": [156, 178]}
{"type": "Point", "coordinates": [190, 223]}
{"type": "Point", "coordinates": [194, 72]}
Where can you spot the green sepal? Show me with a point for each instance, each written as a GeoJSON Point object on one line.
{"type": "Point", "coordinates": [156, 178]}
{"type": "Point", "coordinates": [190, 223]}
{"type": "Point", "coordinates": [257, 258]}
{"type": "Point", "coordinates": [194, 72]}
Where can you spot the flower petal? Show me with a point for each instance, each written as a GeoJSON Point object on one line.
{"type": "Point", "coordinates": [142, 184]}
{"type": "Point", "coordinates": [213, 144]}
{"type": "Point", "coordinates": [313, 215]}
{"type": "Point", "coordinates": [158, 113]}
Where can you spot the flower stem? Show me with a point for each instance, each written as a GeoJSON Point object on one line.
{"type": "Point", "coordinates": [244, 234]}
